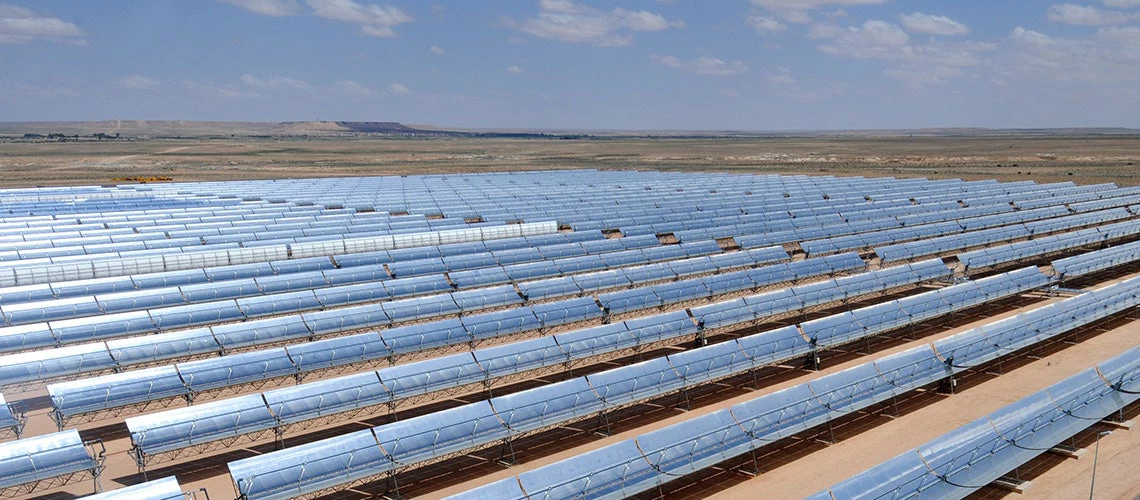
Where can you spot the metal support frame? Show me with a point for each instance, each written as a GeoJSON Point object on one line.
{"type": "Point", "coordinates": [866, 349]}
{"type": "Point", "coordinates": [997, 369]}
{"type": "Point", "coordinates": [392, 486]}
{"type": "Point", "coordinates": [894, 408]}
{"type": "Point", "coordinates": [754, 470]}
{"type": "Point", "coordinates": [1012, 482]}
{"type": "Point", "coordinates": [755, 378]}
{"type": "Point", "coordinates": [20, 412]}
{"type": "Point", "coordinates": [830, 439]}
{"type": "Point", "coordinates": [62, 421]}
{"type": "Point", "coordinates": [142, 459]}
{"type": "Point", "coordinates": [603, 420]}
{"type": "Point", "coordinates": [1074, 337]}
{"type": "Point", "coordinates": [486, 383]}
{"type": "Point", "coordinates": [100, 456]}
{"type": "Point", "coordinates": [947, 385]}
{"type": "Point", "coordinates": [812, 360]}
{"type": "Point", "coordinates": [507, 452]}
{"type": "Point", "coordinates": [683, 398]}
{"type": "Point", "coordinates": [701, 340]}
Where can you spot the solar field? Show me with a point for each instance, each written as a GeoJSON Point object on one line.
{"type": "Point", "coordinates": [558, 334]}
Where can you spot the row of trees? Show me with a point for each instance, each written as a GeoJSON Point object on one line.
{"type": "Point", "coordinates": [75, 137]}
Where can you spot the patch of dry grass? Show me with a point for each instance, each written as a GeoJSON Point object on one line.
{"type": "Point", "coordinates": [1091, 159]}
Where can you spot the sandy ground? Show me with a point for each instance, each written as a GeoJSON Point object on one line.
{"type": "Point", "coordinates": [1084, 159]}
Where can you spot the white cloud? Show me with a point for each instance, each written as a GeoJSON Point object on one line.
{"type": "Point", "coordinates": [576, 23]}
{"type": "Point", "coordinates": [352, 88]}
{"type": "Point", "coordinates": [702, 65]}
{"type": "Point", "coordinates": [765, 25]}
{"type": "Point", "coordinates": [782, 77]}
{"type": "Point", "coordinates": [1086, 15]}
{"type": "Point", "coordinates": [138, 82]}
{"type": "Point", "coordinates": [20, 25]}
{"type": "Point", "coordinates": [932, 25]}
{"type": "Point", "coordinates": [916, 65]}
{"type": "Point", "coordinates": [799, 11]}
{"type": "Point", "coordinates": [275, 83]}
{"type": "Point", "coordinates": [793, 92]}
{"type": "Point", "coordinates": [374, 20]}
{"type": "Point", "coordinates": [1126, 37]}
{"type": "Point", "coordinates": [398, 89]}
{"type": "Point", "coordinates": [873, 40]}
{"type": "Point", "coordinates": [1030, 37]}
{"type": "Point", "coordinates": [934, 75]}
{"type": "Point", "coordinates": [643, 20]}
{"type": "Point", "coordinates": [515, 70]}
{"type": "Point", "coordinates": [276, 8]}
{"type": "Point", "coordinates": [437, 50]}
{"type": "Point", "coordinates": [1112, 55]}
{"type": "Point", "coordinates": [212, 89]}
{"type": "Point", "coordinates": [1122, 4]}
{"type": "Point", "coordinates": [39, 92]}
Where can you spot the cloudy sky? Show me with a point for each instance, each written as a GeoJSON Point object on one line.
{"type": "Point", "coordinates": [621, 64]}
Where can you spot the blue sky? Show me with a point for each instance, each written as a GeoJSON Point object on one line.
{"type": "Point", "coordinates": [625, 64]}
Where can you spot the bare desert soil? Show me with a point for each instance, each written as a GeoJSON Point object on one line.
{"type": "Point", "coordinates": [1091, 159]}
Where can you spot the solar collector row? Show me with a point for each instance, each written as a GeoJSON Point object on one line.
{"type": "Point", "coordinates": [60, 456]}
{"type": "Point", "coordinates": [166, 488]}
{"type": "Point", "coordinates": [1034, 221]}
{"type": "Point", "coordinates": [617, 301]}
{"type": "Point", "coordinates": [944, 244]}
{"type": "Point", "coordinates": [962, 461]}
{"type": "Point", "coordinates": [12, 417]}
{"type": "Point", "coordinates": [244, 190]}
{"type": "Point", "coordinates": [443, 185]}
{"type": "Point", "coordinates": [176, 429]}
{"type": "Point", "coordinates": [388, 343]}
{"type": "Point", "coordinates": [851, 236]}
{"type": "Point", "coordinates": [264, 279]}
{"type": "Point", "coordinates": [587, 241]}
{"type": "Point", "coordinates": [1097, 260]}
{"type": "Point", "coordinates": [110, 391]}
{"type": "Point", "coordinates": [992, 256]}
{"type": "Point", "coordinates": [205, 233]}
{"type": "Point", "coordinates": [399, 445]}
{"type": "Point", "coordinates": [158, 319]}
{"type": "Point", "coordinates": [170, 243]}
{"type": "Point", "coordinates": [47, 273]}
{"type": "Point", "coordinates": [273, 249]}
{"type": "Point", "coordinates": [657, 195]}
{"type": "Point", "coordinates": [857, 188]}
{"type": "Point", "coordinates": [658, 457]}
{"type": "Point", "coordinates": [219, 211]}
{"type": "Point", "coordinates": [74, 398]}
{"type": "Point", "coordinates": [39, 365]}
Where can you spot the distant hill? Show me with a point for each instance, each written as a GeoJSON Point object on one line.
{"type": "Point", "coordinates": [384, 128]}
{"type": "Point", "coordinates": [138, 128]}
{"type": "Point", "coordinates": [345, 128]}
{"type": "Point", "coordinates": [152, 128]}
{"type": "Point", "coordinates": [193, 129]}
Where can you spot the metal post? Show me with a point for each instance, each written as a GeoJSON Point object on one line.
{"type": "Point", "coordinates": [1096, 451]}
